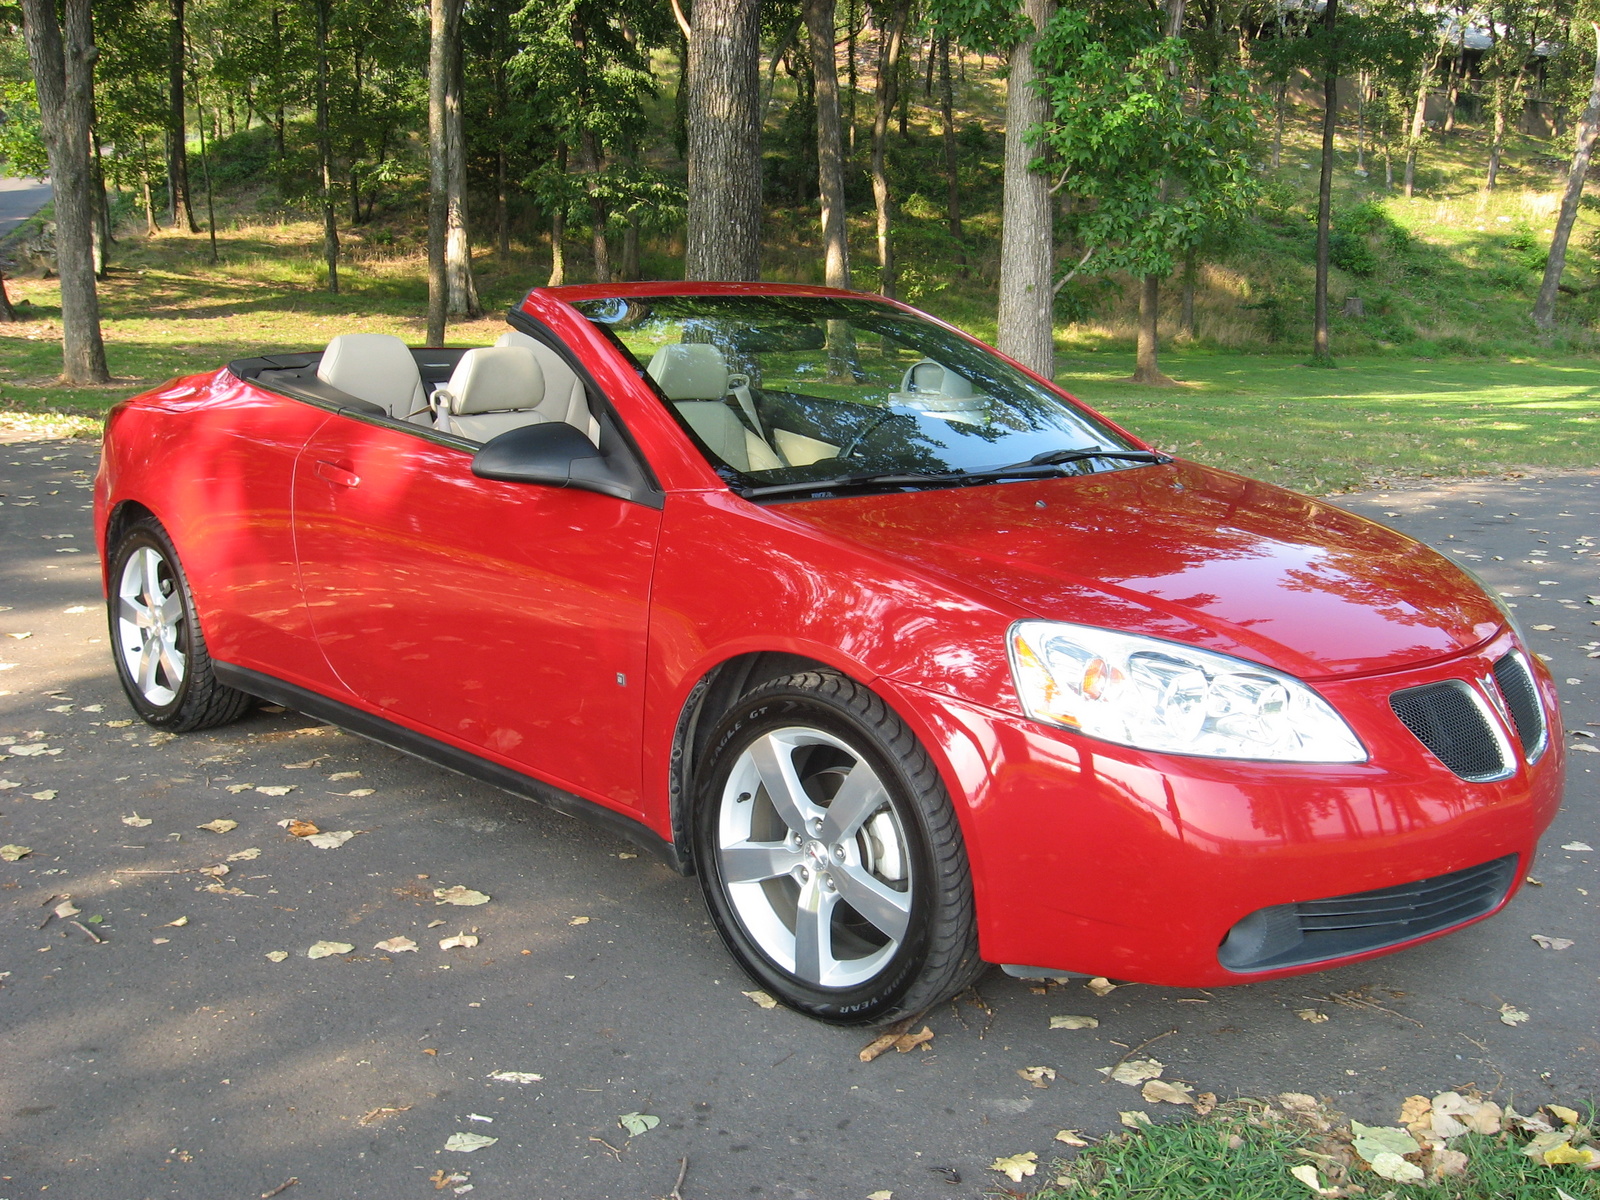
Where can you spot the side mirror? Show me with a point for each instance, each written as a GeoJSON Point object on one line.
{"type": "Point", "coordinates": [554, 454]}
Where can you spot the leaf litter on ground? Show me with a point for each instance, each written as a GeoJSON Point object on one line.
{"type": "Point", "coordinates": [459, 894]}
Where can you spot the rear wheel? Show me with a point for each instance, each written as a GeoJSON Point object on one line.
{"type": "Point", "coordinates": [830, 855]}
{"type": "Point", "coordinates": [159, 649]}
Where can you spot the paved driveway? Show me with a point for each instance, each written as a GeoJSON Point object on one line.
{"type": "Point", "coordinates": [19, 200]}
{"type": "Point", "coordinates": [173, 1057]}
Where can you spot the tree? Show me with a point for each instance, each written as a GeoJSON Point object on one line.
{"type": "Point", "coordinates": [1544, 309]}
{"type": "Point", "coordinates": [177, 129]}
{"type": "Point", "coordinates": [891, 41]}
{"type": "Point", "coordinates": [1027, 249]}
{"type": "Point", "coordinates": [330, 221]}
{"type": "Point", "coordinates": [820, 28]}
{"type": "Point", "coordinates": [444, 20]}
{"type": "Point", "coordinates": [724, 117]}
{"type": "Point", "coordinates": [62, 56]}
{"type": "Point", "coordinates": [1152, 148]}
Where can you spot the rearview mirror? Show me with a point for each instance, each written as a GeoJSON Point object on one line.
{"type": "Point", "coordinates": [554, 454]}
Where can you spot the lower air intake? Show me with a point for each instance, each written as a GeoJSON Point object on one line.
{"type": "Point", "coordinates": [1292, 935]}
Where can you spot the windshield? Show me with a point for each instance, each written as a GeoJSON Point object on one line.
{"type": "Point", "coordinates": [788, 390]}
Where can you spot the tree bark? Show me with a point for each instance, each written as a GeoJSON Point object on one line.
{"type": "Point", "coordinates": [1190, 271]}
{"type": "Point", "coordinates": [724, 225]}
{"type": "Point", "coordinates": [891, 41]}
{"type": "Point", "coordinates": [1418, 116]}
{"type": "Point", "coordinates": [1330, 111]}
{"type": "Point", "coordinates": [951, 158]}
{"type": "Point", "coordinates": [1503, 98]}
{"type": "Point", "coordinates": [205, 171]}
{"type": "Point", "coordinates": [330, 219]}
{"type": "Point", "coordinates": [444, 18]}
{"type": "Point", "coordinates": [599, 214]}
{"type": "Point", "coordinates": [1544, 310]}
{"type": "Point", "coordinates": [1281, 108]}
{"type": "Point", "coordinates": [462, 288]}
{"type": "Point", "coordinates": [1026, 314]}
{"type": "Point", "coordinates": [177, 133]}
{"type": "Point", "coordinates": [1147, 367]}
{"type": "Point", "coordinates": [820, 22]}
{"type": "Point", "coordinates": [7, 313]}
{"type": "Point", "coordinates": [63, 71]}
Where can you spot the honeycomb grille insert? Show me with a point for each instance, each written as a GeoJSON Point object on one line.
{"type": "Point", "coordinates": [1522, 702]}
{"type": "Point", "coordinates": [1448, 718]}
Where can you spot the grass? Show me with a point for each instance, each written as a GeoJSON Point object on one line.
{"type": "Point", "coordinates": [1245, 1150]}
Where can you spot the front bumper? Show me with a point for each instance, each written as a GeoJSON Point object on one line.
{"type": "Point", "coordinates": [1095, 858]}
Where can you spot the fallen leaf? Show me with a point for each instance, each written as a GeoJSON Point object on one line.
{"type": "Point", "coordinates": [1101, 986]}
{"type": "Point", "coordinates": [1157, 1091]}
{"type": "Point", "coordinates": [338, 775]}
{"type": "Point", "coordinates": [574, 921]}
{"type": "Point", "coordinates": [1016, 1167]}
{"type": "Point", "coordinates": [1074, 1022]}
{"type": "Point", "coordinates": [480, 1117]}
{"type": "Point", "coordinates": [1392, 1166]}
{"type": "Point", "coordinates": [329, 949]}
{"type": "Point", "coordinates": [252, 853]}
{"type": "Point", "coordinates": [122, 724]}
{"type": "Point", "coordinates": [880, 1194]}
{"type": "Point", "coordinates": [1135, 1119]}
{"type": "Point", "coordinates": [330, 841]}
{"type": "Point", "coordinates": [761, 999]}
{"type": "Point", "coordinates": [1134, 1072]}
{"type": "Point", "coordinates": [178, 924]}
{"type": "Point", "coordinates": [516, 1077]}
{"type": "Point", "coordinates": [47, 794]}
{"type": "Point", "coordinates": [1577, 847]}
{"type": "Point", "coordinates": [357, 792]}
{"type": "Point", "coordinates": [1204, 1103]}
{"type": "Point", "coordinates": [460, 941]}
{"type": "Point", "coordinates": [136, 821]}
{"type": "Point", "coordinates": [1311, 1014]}
{"type": "Point", "coordinates": [396, 945]}
{"type": "Point", "coordinates": [216, 871]}
{"type": "Point", "coordinates": [1447, 1162]}
{"type": "Point", "coordinates": [910, 1041]}
{"type": "Point", "coordinates": [276, 790]}
{"type": "Point", "coordinates": [1544, 628]}
{"type": "Point", "coordinates": [302, 766]}
{"type": "Point", "coordinates": [276, 955]}
{"type": "Point", "coordinates": [459, 895]}
{"type": "Point", "coordinates": [1306, 1173]}
{"type": "Point", "coordinates": [7, 784]}
{"type": "Point", "coordinates": [1298, 1102]}
{"type": "Point", "coordinates": [1038, 1076]}
{"type": "Point", "coordinates": [1550, 943]}
{"type": "Point", "coordinates": [1568, 1153]}
{"type": "Point", "coordinates": [1415, 1111]}
{"type": "Point", "coordinates": [1566, 1116]}
{"type": "Point", "coordinates": [466, 1143]}
{"type": "Point", "coordinates": [298, 828]}
{"type": "Point", "coordinates": [637, 1123]}
{"type": "Point", "coordinates": [236, 788]}
{"type": "Point", "coordinates": [1510, 1015]}
{"type": "Point", "coordinates": [160, 941]}
{"type": "Point", "coordinates": [10, 853]}
{"type": "Point", "coordinates": [67, 909]}
{"type": "Point", "coordinates": [1372, 1141]}
{"type": "Point", "coordinates": [1070, 1137]}
{"type": "Point", "coordinates": [221, 825]}
{"type": "Point", "coordinates": [33, 750]}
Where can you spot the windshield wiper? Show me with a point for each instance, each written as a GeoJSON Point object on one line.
{"type": "Point", "coordinates": [1040, 466]}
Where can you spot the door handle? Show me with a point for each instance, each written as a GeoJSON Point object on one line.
{"type": "Point", "coordinates": [337, 475]}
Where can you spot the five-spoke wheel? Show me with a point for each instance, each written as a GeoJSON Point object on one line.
{"type": "Point", "coordinates": [830, 856]}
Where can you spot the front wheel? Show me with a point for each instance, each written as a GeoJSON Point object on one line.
{"type": "Point", "coordinates": [160, 652]}
{"type": "Point", "coordinates": [830, 855]}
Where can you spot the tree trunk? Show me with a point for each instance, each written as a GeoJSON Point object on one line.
{"type": "Point", "coordinates": [951, 158]}
{"type": "Point", "coordinates": [1418, 116]}
{"type": "Point", "coordinates": [177, 135]}
{"type": "Point", "coordinates": [1544, 311]}
{"type": "Point", "coordinates": [101, 229]}
{"type": "Point", "coordinates": [330, 220]}
{"type": "Point", "coordinates": [1282, 107]}
{"type": "Point", "coordinates": [599, 215]}
{"type": "Point", "coordinates": [1190, 272]}
{"type": "Point", "coordinates": [1026, 315]}
{"type": "Point", "coordinates": [356, 144]}
{"type": "Point", "coordinates": [1147, 368]}
{"type": "Point", "coordinates": [891, 40]}
{"type": "Point", "coordinates": [820, 16]}
{"type": "Point", "coordinates": [1361, 123]}
{"type": "Point", "coordinates": [205, 170]}
{"type": "Point", "coordinates": [630, 249]}
{"type": "Point", "coordinates": [1503, 98]}
{"type": "Point", "coordinates": [462, 289]}
{"type": "Point", "coordinates": [151, 227]}
{"type": "Point", "coordinates": [850, 27]}
{"type": "Point", "coordinates": [1330, 111]}
{"type": "Point", "coordinates": [7, 313]}
{"type": "Point", "coordinates": [502, 206]}
{"type": "Point", "coordinates": [63, 71]}
{"type": "Point", "coordinates": [444, 17]}
{"type": "Point", "coordinates": [724, 235]}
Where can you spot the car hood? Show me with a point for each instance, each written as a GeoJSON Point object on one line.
{"type": "Point", "coordinates": [1188, 553]}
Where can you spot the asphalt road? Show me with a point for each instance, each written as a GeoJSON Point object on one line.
{"type": "Point", "coordinates": [173, 1058]}
{"type": "Point", "coordinates": [19, 200]}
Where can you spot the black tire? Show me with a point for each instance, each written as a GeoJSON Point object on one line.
{"type": "Point", "coordinates": [903, 859]}
{"type": "Point", "coordinates": [170, 684]}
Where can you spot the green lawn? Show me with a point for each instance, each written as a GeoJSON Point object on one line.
{"type": "Point", "coordinates": [168, 311]}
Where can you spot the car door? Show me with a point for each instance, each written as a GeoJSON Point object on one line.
{"type": "Point", "coordinates": [508, 618]}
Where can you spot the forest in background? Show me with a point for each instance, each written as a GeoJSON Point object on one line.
{"type": "Point", "coordinates": [1175, 149]}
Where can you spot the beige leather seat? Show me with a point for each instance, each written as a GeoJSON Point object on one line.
{"type": "Point", "coordinates": [565, 398]}
{"type": "Point", "coordinates": [694, 376]}
{"type": "Point", "coordinates": [492, 389]}
{"type": "Point", "coordinates": [378, 368]}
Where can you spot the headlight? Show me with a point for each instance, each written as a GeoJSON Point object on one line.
{"type": "Point", "coordinates": [1159, 695]}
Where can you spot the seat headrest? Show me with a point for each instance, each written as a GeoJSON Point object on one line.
{"type": "Point", "coordinates": [495, 379]}
{"type": "Point", "coordinates": [690, 371]}
{"type": "Point", "coordinates": [515, 337]}
{"type": "Point", "coordinates": [376, 367]}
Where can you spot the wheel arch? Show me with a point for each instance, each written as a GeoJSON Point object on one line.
{"type": "Point", "coordinates": [123, 514]}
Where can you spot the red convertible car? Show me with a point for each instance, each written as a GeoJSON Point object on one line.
{"type": "Point", "coordinates": [916, 661]}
